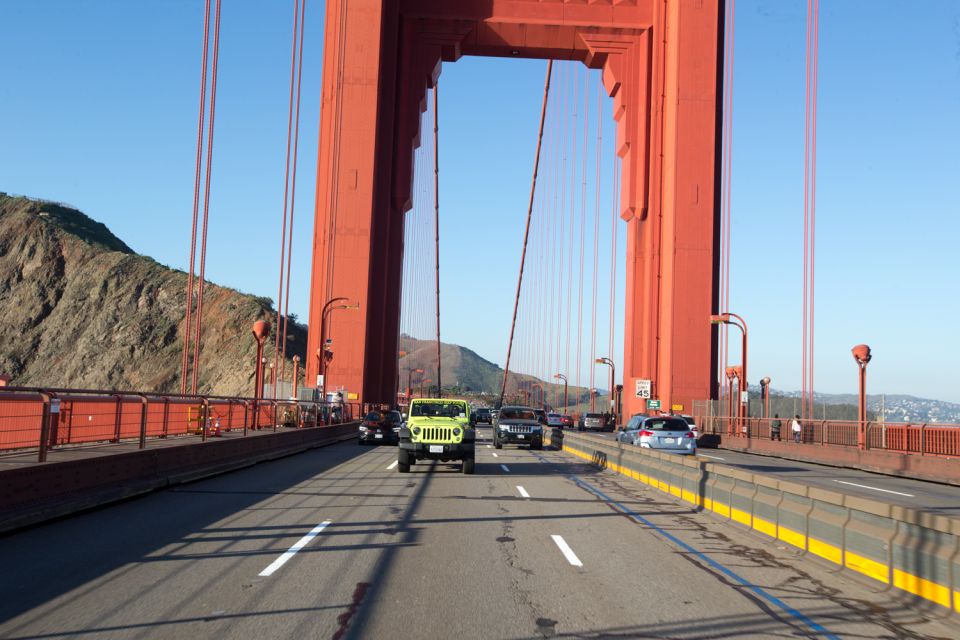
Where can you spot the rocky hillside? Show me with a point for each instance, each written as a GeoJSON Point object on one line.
{"type": "Point", "coordinates": [82, 310]}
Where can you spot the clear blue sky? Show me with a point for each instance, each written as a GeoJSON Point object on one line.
{"type": "Point", "coordinates": [98, 109]}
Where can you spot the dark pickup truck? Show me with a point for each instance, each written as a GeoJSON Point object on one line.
{"type": "Point", "coordinates": [518, 425]}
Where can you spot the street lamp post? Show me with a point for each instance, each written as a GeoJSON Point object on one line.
{"type": "Point", "coordinates": [740, 323]}
{"type": "Point", "coordinates": [323, 352]}
{"type": "Point", "coordinates": [765, 393]}
{"type": "Point", "coordinates": [861, 353]}
{"type": "Point", "coordinates": [733, 374]}
{"type": "Point", "coordinates": [613, 385]}
{"type": "Point", "coordinates": [296, 376]}
{"type": "Point", "coordinates": [560, 376]}
{"type": "Point", "coordinates": [261, 329]}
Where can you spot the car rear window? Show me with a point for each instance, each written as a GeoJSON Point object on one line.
{"type": "Point", "coordinates": [595, 416]}
{"type": "Point", "coordinates": [373, 416]}
{"type": "Point", "coordinates": [517, 414]}
{"type": "Point", "coordinates": [666, 424]}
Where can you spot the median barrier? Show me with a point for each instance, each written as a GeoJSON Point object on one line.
{"type": "Point", "coordinates": [43, 491]}
{"type": "Point", "coordinates": [907, 551]}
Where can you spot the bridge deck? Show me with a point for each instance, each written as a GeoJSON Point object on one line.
{"type": "Point", "coordinates": [432, 554]}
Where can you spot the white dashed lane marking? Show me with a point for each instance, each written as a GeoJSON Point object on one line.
{"type": "Point", "coordinates": [523, 492]}
{"type": "Point", "coordinates": [863, 486]}
{"type": "Point", "coordinates": [300, 544]}
{"type": "Point", "coordinates": [567, 551]}
{"type": "Point", "coordinates": [393, 464]}
{"type": "Point", "coordinates": [505, 468]}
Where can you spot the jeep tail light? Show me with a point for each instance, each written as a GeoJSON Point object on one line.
{"type": "Point", "coordinates": [644, 433]}
{"type": "Point", "coordinates": [689, 434]}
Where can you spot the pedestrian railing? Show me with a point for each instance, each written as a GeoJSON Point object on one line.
{"type": "Point", "coordinates": [42, 419]}
{"type": "Point", "coordinates": [936, 439]}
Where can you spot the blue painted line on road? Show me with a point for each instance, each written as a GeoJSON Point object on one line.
{"type": "Point", "coordinates": [710, 561]}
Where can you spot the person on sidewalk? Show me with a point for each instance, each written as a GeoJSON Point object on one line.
{"type": "Point", "coordinates": [797, 429]}
{"type": "Point", "coordinates": [775, 428]}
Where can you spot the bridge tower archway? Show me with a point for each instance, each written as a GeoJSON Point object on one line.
{"type": "Point", "coordinates": [660, 63]}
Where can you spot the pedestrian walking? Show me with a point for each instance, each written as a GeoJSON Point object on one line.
{"type": "Point", "coordinates": [797, 429]}
{"type": "Point", "coordinates": [775, 428]}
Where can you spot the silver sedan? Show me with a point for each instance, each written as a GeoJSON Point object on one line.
{"type": "Point", "coordinates": [666, 433]}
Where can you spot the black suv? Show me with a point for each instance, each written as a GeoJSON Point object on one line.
{"type": "Point", "coordinates": [518, 425]}
{"type": "Point", "coordinates": [482, 416]}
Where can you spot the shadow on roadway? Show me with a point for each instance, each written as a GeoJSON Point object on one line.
{"type": "Point", "coordinates": [83, 548]}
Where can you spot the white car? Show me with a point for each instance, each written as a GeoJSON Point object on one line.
{"type": "Point", "coordinates": [666, 433]}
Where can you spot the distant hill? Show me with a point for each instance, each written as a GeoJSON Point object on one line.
{"type": "Point", "coordinates": [463, 369]}
{"type": "Point", "coordinates": [82, 310]}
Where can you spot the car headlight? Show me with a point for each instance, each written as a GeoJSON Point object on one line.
{"type": "Point", "coordinates": [538, 428]}
{"type": "Point", "coordinates": [456, 432]}
{"type": "Point", "coordinates": [415, 431]}
{"type": "Point", "coordinates": [362, 428]}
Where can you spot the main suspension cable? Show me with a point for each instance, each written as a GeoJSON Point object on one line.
{"type": "Point", "coordinates": [526, 232]}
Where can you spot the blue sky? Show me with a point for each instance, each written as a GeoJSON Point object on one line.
{"type": "Point", "coordinates": [98, 109]}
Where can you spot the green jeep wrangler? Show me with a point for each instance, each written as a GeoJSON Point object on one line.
{"type": "Point", "coordinates": [437, 429]}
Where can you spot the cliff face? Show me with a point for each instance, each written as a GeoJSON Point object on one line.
{"type": "Point", "coordinates": [80, 309]}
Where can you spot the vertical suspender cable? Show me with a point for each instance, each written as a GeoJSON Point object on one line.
{"type": "Point", "coordinates": [286, 188]}
{"type": "Point", "coordinates": [726, 209]}
{"type": "Point", "coordinates": [293, 193]}
{"type": "Point", "coordinates": [526, 232]}
{"type": "Point", "coordinates": [206, 197]}
{"type": "Point", "coordinates": [436, 220]}
{"type": "Point", "coordinates": [809, 204]}
{"type": "Point", "coordinates": [583, 218]}
{"type": "Point", "coordinates": [596, 256]}
{"type": "Point", "coordinates": [188, 315]}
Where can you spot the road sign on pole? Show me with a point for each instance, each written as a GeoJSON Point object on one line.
{"type": "Point", "coordinates": [643, 389]}
{"type": "Point", "coordinates": [653, 404]}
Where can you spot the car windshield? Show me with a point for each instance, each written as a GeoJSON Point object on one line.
{"type": "Point", "coordinates": [438, 409]}
{"type": "Point", "coordinates": [634, 422]}
{"type": "Point", "coordinates": [666, 424]}
{"type": "Point", "coordinates": [517, 414]}
{"type": "Point", "coordinates": [553, 416]}
{"type": "Point", "coordinates": [394, 416]}
{"type": "Point", "coordinates": [483, 412]}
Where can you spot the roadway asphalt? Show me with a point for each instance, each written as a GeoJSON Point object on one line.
{"type": "Point", "coordinates": [430, 554]}
{"type": "Point", "coordinates": [916, 494]}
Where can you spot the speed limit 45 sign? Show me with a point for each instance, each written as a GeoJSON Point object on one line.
{"type": "Point", "coordinates": [643, 389]}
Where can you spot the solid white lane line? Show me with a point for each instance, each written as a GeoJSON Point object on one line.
{"type": "Point", "coordinates": [863, 486]}
{"type": "Point", "coordinates": [505, 468]}
{"type": "Point", "coordinates": [495, 456]}
{"type": "Point", "coordinates": [523, 492]}
{"type": "Point", "coordinates": [567, 551]}
{"type": "Point", "coordinates": [300, 544]}
{"type": "Point", "coordinates": [393, 464]}
{"type": "Point", "coordinates": [703, 455]}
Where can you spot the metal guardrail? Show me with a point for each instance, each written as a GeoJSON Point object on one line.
{"type": "Point", "coordinates": [40, 419]}
{"type": "Point", "coordinates": [925, 439]}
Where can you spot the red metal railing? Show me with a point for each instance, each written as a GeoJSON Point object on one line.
{"type": "Point", "coordinates": [923, 439]}
{"type": "Point", "coordinates": [39, 419]}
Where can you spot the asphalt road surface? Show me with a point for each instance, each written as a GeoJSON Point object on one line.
{"type": "Point", "coordinates": [335, 543]}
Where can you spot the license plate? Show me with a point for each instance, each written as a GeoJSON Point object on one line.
{"type": "Point", "coordinates": [436, 448]}
{"type": "Point", "coordinates": [379, 435]}
{"type": "Point", "coordinates": [669, 440]}
{"type": "Point", "coordinates": [520, 436]}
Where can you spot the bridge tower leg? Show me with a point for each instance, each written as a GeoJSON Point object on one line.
{"type": "Point", "coordinates": [660, 63]}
